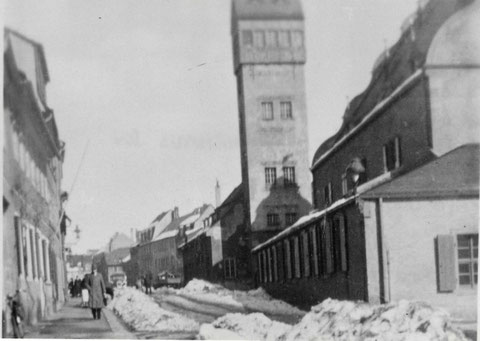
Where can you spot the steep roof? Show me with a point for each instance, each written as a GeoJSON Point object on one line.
{"type": "Point", "coordinates": [453, 174]}
{"type": "Point", "coordinates": [160, 216]}
{"type": "Point", "coordinates": [117, 256]}
{"type": "Point", "coordinates": [234, 195]}
{"type": "Point", "coordinates": [395, 65]}
{"type": "Point", "coordinates": [266, 10]}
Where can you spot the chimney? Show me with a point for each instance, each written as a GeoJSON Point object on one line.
{"type": "Point", "coordinates": [218, 198]}
{"type": "Point", "coordinates": [175, 213]}
{"type": "Point", "coordinates": [133, 235]}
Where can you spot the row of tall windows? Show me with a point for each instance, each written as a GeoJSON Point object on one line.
{"type": "Point", "coordinates": [288, 176]}
{"type": "Point", "coordinates": [29, 167]}
{"type": "Point", "coordinates": [319, 250]}
{"type": "Point", "coordinates": [32, 252]}
{"type": "Point", "coordinates": [273, 219]}
{"type": "Point", "coordinates": [285, 110]}
{"type": "Point", "coordinates": [272, 38]}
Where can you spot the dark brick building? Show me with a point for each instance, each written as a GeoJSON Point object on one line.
{"type": "Point", "coordinates": [417, 107]}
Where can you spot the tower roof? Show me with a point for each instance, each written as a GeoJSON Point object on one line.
{"type": "Point", "coordinates": [267, 10]}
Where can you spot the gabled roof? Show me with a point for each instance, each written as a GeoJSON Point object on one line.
{"type": "Point", "coordinates": [455, 174]}
{"type": "Point", "coordinates": [266, 10]}
{"type": "Point", "coordinates": [117, 256]}
{"type": "Point", "coordinates": [172, 229]}
{"type": "Point", "coordinates": [234, 196]}
{"type": "Point", "coordinates": [160, 216]}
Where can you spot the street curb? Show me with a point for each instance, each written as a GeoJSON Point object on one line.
{"type": "Point", "coordinates": [117, 326]}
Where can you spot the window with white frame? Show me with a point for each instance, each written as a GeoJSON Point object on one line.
{"type": "Point", "coordinates": [247, 37]}
{"type": "Point", "coordinates": [267, 111]}
{"type": "Point", "coordinates": [271, 38]}
{"type": "Point", "coordinates": [392, 154]}
{"type": "Point", "coordinates": [270, 175]}
{"type": "Point", "coordinates": [258, 39]}
{"type": "Point", "coordinates": [467, 255]}
{"type": "Point", "coordinates": [284, 38]}
{"type": "Point", "coordinates": [289, 176]}
{"type": "Point", "coordinates": [286, 110]}
{"type": "Point", "coordinates": [297, 38]}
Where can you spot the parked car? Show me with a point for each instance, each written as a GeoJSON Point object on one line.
{"type": "Point", "coordinates": [118, 279]}
{"type": "Point", "coordinates": [166, 278]}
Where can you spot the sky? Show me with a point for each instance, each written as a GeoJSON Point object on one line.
{"type": "Point", "coordinates": [144, 96]}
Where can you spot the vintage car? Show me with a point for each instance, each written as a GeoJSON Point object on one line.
{"type": "Point", "coordinates": [166, 278]}
{"type": "Point", "coordinates": [118, 279]}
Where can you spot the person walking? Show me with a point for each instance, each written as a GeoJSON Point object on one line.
{"type": "Point", "coordinates": [17, 315]}
{"type": "Point", "coordinates": [70, 287]}
{"type": "Point", "coordinates": [85, 293]}
{"type": "Point", "coordinates": [148, 283]}
{"type": "Point", "coordinates": [96, 287]}
{"type": "Point", "coordinates": [77, 287]}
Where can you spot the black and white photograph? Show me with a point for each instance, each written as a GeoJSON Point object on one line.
{"type": "Point", "coordinates": [277, 170]}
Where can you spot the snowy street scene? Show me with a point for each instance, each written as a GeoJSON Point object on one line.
{"type": "Point", "coordinates": [278, 170]}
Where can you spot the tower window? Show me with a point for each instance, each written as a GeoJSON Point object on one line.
{"type": "Point", "coordinates": [392, 154]}
{"type": "Point", "coordinates": [290, 218]}
{"type": "Point", "coordinates": [247, 37]}
{"type": "Point", "coordinates": [273, 219]}
{"type": "Point", "coordinates": [270, 175]}
{"type": "Point", "coordinates": [267, 111]}
{"type": "Point", "coordinates": [297, 38]}
{"type": "Point", "coordinates": [289, 175]}
{"type": "Point", "coordinates": [258, 39]}
{"type": "Point", "coordinates": [286, 110]}
{"type": "Point", "coordinates": [283, 39]}
{"type": "Point", "coordinates": [271, 38]}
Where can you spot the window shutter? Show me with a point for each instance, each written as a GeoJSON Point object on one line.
{"type": "Point", "coordinates": [446, 263]}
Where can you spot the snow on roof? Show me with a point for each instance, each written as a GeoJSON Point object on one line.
{"type": "Point", "coordinates": [167, 234]}
{"type": "Point", "coordinates": [309, 218]}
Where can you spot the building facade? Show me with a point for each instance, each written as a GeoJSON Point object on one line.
{"type": "Point", "coordinates": [269, 58]}
{"type": "Point", "coordinates": [420, 107]}
{"type": "Point", "coordinates": [161, 253]}
{"type": "Point", "coordinates": [33, 154]}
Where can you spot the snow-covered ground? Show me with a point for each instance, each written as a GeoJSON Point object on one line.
{"type": "Point", "coordinates": [248, 301]}
{"type": "Point", "coordinates": [342, 320]}
{"type": "Point", "coordinates": [141, 313]}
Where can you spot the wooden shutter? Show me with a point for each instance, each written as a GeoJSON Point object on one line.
{"type": "Point", "coordinates": [446, 263]}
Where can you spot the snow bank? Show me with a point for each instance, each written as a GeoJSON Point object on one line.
{"type": "Point", "coordinates": [141, 313]}
{"type": "Point", "coordinates": [254, 326]}
{"type": "Point", "coordinates": [254, 300]}
{"type": "Point", "coordinates": [344, 320]}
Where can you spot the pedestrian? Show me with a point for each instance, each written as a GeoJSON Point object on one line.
{"type": "Point", "coordinates": [148, 283]}
{"type": "Point", "coordinates": [17, 315]}
{"type": "Point", "coordinates": [70, 287]}
{"type": "Point", "coordinates": [78, 287]}
{"type": "Point", "coordinates": [97, 289]}
{"type": "Point", "coordinates": [138, 283]}
{"type": "Point", "coordinates": [85, 294]}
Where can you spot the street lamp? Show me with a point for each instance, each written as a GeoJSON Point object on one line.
{"type": "Point", "coordinates": [354, 169]}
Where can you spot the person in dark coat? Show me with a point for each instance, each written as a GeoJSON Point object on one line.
{"type": "Point", "coordinates": [148, 283]}
{"type": "Point", "coordinates": [70, 287]}
{"type": "Point", "coordinates": [97, 289]}
{"type": "Point", "coordinates": [17, 315]}
{"type": "Point", "coordinates": [77, 287]}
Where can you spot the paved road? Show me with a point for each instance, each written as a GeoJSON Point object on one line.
{"type": "Point", "coordinates": [75, 322]}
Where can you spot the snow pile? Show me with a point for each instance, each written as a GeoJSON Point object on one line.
{"type": "Point", "coordinates": [334, 320]}
{"type": "Point", "coordinates": [141, 313]}
{"type": "Point", "coordinates": [254, 300]}
{"type": "Point", "coordinates": [347, 320]}
{"type": "Point", "coordinates": [237, 326]}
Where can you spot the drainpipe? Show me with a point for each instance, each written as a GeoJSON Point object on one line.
{"type": "Point", "coordinates": [383, 257]}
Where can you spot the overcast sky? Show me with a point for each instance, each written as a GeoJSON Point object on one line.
{"type": "Point", "coordinates": [146, 88]}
